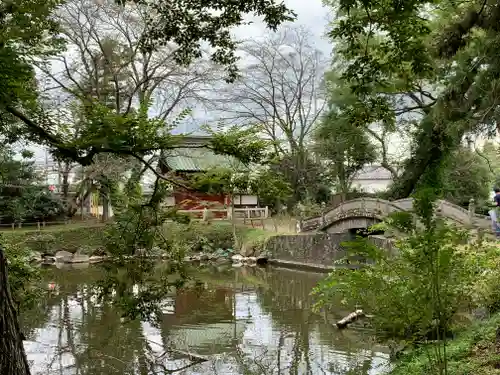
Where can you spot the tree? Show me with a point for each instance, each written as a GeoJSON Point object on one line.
{"type": "Point", "coordinates": [281, 88]}
{"type": "Point", "coordinates": [310, 183]}
{"type": "Point", "coordinates": [22, 195]}
{"type": "Point", "coordinates": [389, 138]}
{"type": "Point", "coordinates": [344, 149]}
{"type": "Point", "coordinates": [28, 31]}
{"type": "Point", "coordinates": [429, 50]}
{"type": "Point", "coordinates": [467, 176]}
{"type": "Point", "coordinates": [112, 69]}
{"type": "Point", "coordinates": [177, 21]}
{"type": "Point", "coordinates": [491, 156]}
{"type": "Point", "coordinates": [111, 66]}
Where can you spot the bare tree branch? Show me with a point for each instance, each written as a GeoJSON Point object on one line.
{"type": "Point", "coordinates": [280, 88]}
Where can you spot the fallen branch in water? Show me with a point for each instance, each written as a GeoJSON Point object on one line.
{"type": "Point", "coordinates": [194, 358]}
{"type": "Point", "coordinates": [351, 318]}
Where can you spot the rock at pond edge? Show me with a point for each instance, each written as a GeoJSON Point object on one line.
{"type": "Point", "coordinates": [63, 256]}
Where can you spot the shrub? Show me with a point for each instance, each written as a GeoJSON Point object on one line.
{"type": "Point", "coordinates": [23, 276]}
{"type": "Point", "coordinates": [416, 295]}
{"type": "Point", "coordinates": [51, 240]}
{"type": "Point", "coordinates": [486, 285]}
{"type": "Point", "coordinates": [201, 237]}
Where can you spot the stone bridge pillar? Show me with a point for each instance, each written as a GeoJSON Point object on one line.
{"type": "Point", "coordinates": [323, 213]}
{"type": "Point", "coordinates": [472, 211]}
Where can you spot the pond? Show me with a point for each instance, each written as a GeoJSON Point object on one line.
{"type": "Point", "coordinates": [245, 321]}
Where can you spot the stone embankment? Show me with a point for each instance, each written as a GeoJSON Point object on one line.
{"type": "Point", "coordinates": [67, 258]}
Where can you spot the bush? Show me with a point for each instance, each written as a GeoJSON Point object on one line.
{"type": "Point", "coordinates": [69, 238]}
{"type": "Point", "coordinates": [23, 276]}
{"type": "Point", "coordinates": [486, 285]}
{"type": "Point", "coordinates": [201, 237]}
{"type": "Point", "coordinates": [473, 351]}
{"type": "Point", "coordinates": [416, 294]}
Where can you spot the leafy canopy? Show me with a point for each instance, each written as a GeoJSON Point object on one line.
{"type": "Point", "coordinates": [439, 54]}
{"type": "Point", "coordinates": [29, 27]}
{"type": "Point", "coordinates": [345, 148]}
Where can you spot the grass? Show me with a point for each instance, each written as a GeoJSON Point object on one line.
{"type": "Point", "coordinates": [475, 351]}
{"type": "Point", "coordinates": [199, 236]}
{"type": "Point", "coordinates": [85, 238]}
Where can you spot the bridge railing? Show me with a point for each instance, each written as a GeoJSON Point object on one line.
{"type": "Point", "coordinates": [379, 208]}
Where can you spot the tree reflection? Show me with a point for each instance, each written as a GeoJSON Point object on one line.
{"type": "Point", "coordinates": [92, 338]}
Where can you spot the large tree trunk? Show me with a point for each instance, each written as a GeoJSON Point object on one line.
{"type": "Point", "coordinates": [105, 206]}
{"type": "Point", "coordinates": [12, 355]}
{"type": "Point", "coordinates": [436, 138]}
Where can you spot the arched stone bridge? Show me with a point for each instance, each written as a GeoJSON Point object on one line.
{"type": "Point", "coordinates": [364, 212]}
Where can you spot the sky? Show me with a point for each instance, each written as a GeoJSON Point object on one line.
{"type": "Point", "coordinates": [310, 14]}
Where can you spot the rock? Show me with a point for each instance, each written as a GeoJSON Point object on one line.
{"type": "Point", "coordinates": [36, 257]}
{"type": "Point", "coordinates": [237, 265]}
{"type": "Point", "coordinates": [187, 258]}
{"type": "Point", "coordinates": [251, 260]}
{"type": "Point", "coordinates": [48, 260]}
{"type": "Point", "coordinates": [80, 258]}
{"type": "Point", "coordinates": [246, 250]}
{"type": "Point", "coordinates": [220, 261]}
{"type": "Point", "coordinates": [204, 257]}
{"type": "Point", "coordinates": [63, 256]}
{"type": "Point", "coordinates": [97, 259]}
{"type": "Point", "coordinates": [236, 258]}
{"type": "Point", "coordinates": [99, 252]}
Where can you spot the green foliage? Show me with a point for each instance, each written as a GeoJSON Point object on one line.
{"type": "Point", "coordinates": [305, 176]}
{"type": "Point", "coordinates": [244, 144]}
{"type": "Point", "coordinates": [217, 181]}
{"type": "Point", "coordinates": [23, 275]}
{"type": "Point", "coordinates": [22, 197]}
{"type": "Point", "coordinates": [271, 187]}
{"type": "Point", "coordinates": [473, 351]}
{"type": "Point", "coordinates": [416, 294]}
{"type": "Point", "coordinates": [201, 237]}
{"type": "Point", "coordinates": [176, 21]}
{"type": "Point", "coordinates": [491, 157]}
{"type": "Point", "coordinates": [140, 225]}
{"type": "Point", "coordinates": [82, 237]}
{"type": "Point", "coordinates": [345, 147]}
{"type": "Point", "coordinates": [27, 30]}
{"type": "Point", "coordinates": [485, 287]}
{"type": "Point", "coordinates": [409, 64]}
{"type": "Point", "coordinates": [466, 177]}
{"type": "Point", "coordinates": [307, 208]}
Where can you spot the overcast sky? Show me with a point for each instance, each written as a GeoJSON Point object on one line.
{"type": "Point", "coordinates": [310, 13]}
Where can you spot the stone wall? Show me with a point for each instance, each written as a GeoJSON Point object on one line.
{"type": "Point", "coordinates": [312, 250]}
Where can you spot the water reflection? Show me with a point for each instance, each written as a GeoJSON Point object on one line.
{"type": "Point", "coordinates": [244, 321]}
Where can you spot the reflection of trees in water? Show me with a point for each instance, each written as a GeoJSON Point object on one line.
{"type": "Point", "coordinates": [287, 299]}
{"type": "Point", "coordinates": [91, 332]}
{"type": "Point", "coordinates": [94, 334]}
{"type": "Point", "coordinates": [354, 366]}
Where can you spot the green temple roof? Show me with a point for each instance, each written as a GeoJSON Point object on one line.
{"type": "Point", "coordinates": [198, 160]}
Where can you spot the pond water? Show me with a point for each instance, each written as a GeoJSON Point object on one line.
{"type": "Point", "coordinates": [245, 321]}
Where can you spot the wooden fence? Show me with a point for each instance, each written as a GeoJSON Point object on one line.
{"type": "Point", "coordinates": [247, 215]}
{"type": "Point", "coordinates": [253, 213]}
{"type": "Point", "coordinates": [44, 224]}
